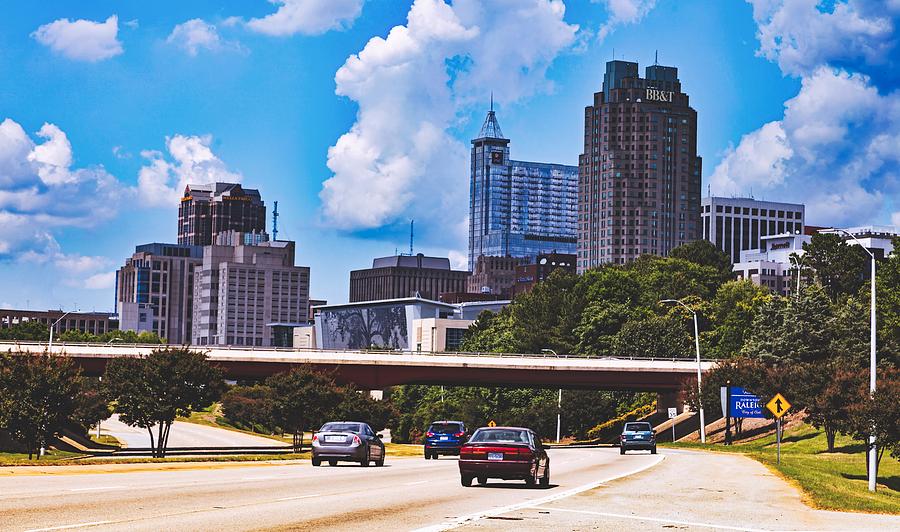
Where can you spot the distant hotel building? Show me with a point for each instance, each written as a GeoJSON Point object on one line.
{"type": "Point", "coordinates": [402, 276]}
{"type": "Point", "coordinates": [208, 210]}
{"type": "Point", "coordinates": [517, 208]}
{"type": "Point", "coordinates": [529, 275]}
{"type": "Point", "coordinates": [639, 174]}
{"type": "Point", "coordinates": [494, 275]}
{"type": "Point", "coordinates": [245, 287]}
{"type": "Point", "coordinates": [87, 322]}
{"type": "Point", "coordinates": [154, 290]}
{"type": "Point", "coordinates": [740, 224]}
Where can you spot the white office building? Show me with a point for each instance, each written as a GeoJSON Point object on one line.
{"type": "Point", "coordinates": [740, 224]}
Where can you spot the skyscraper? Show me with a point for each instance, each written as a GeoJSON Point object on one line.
{"type": "Point", "coordinates": [518, 208]}
{"type": "Point", "coordinates": [639, 175]}
{"type": "Point", "coordinates": [208, 210]}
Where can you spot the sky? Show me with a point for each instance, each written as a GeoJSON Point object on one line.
{"type": "Point", "coordinates": [356, 116]}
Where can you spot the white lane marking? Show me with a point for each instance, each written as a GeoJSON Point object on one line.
{"type": "Point", "coordinates": [65, 527]}
{"type": "Point", "coordinates": [416, 483]}
{"type": "Point", "coordinates": [298, 497]}
{"type": "Point", "coordinates": [652, 519]}
{"type": "Point", "coordinates": [259, 478]}
{"type": "Point", "coordinates": [466, 519]}
{"type": "Point", "coordinates": [96, 488]}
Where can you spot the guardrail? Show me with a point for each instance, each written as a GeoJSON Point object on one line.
{"type": "Point", "coordinates": [207, 348]}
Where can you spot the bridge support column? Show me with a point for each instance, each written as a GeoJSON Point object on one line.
{"type": "Point", "coordinates": [666, 400]}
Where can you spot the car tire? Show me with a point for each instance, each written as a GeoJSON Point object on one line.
{"type": "Point", "coordinates": [482, 480]}
{"type": "Point", "coordinates": [332, 463]}
{"type": "Point", "coordinates": [427, 454]}
{"type": "Point", "coordinates": [545, 480]}
{"type": "Point", "coordinates": [621, 450]}
{"type": "Point", "coordinates": [380, 461]}
{"type": "Point", "coordinates": [434, 455]}
{"type": "Point", "coordinates": [653, 450]}
{"type": "Point", "coordinates": [465, 480]}
{"type": "Point", "coordinates": [316, 461]}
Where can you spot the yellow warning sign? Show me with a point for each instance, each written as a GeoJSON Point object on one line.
{"type": "Point", "coordinates": [492, 423]}
{"type": "Point", "coordinates": [778, 405]}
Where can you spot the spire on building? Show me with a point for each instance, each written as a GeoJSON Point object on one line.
{"type": "Point", "coordinates": [491, 128]}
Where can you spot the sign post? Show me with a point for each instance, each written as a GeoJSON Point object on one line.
{"type": "Point", "coordinates": [779, 406]}
{"type": "Point", "coordinates": [673, 413]}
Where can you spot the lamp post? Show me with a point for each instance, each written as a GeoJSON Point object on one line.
{"type": "Point", "coordinates": [699, 377]}
{"type": "Point", "coordinates": [50, 343]}
{"type": "Point", "coordinates": [558, 401]}
{"type": "Point", "coordinates": [873, 455]}
{"type": "Point", "coordinates": [798, 261]}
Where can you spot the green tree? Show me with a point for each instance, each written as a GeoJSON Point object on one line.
{"type": "Point", "coordinates": [26, 331]}
{"type": "Point", "coordinates": [878, 414]}
{"type": "Point", "coordinates": [731, 313]}
{"type": "Point", "coordinates": [37, 396]}
{"type": "Point", "coordinates": [303, 399]}
{"type": "Point", "coordinates": [656, 337]}
{"type": "Point", "coordinates": [839, 267]}
{"type": "Point", "coordinates": [358, 405]}
{"type": "Point", "coordinates": [705, 253]}
{"type": "Point", "coordinates": [91, 405]}
{"type": "Point", "coordinates": [155, 389]}
{"type": "Point", "coordinates": [249, 407]}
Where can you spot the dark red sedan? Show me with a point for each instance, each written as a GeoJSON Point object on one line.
{"type": "Point", "coordinates": [508, 453]}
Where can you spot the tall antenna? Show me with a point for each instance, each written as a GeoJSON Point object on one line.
{"type": "Point", "coordinates": [492, 100]}
{"type": "Point", "coordinates": [656, 58]}
{"type": "Point", "coordinates": [411, 225]}
{"type": "Point", "coordinates": [275, 222]}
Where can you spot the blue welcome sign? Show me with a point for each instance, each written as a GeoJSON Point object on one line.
{"type": "Point", "coordinates": [744, 403]}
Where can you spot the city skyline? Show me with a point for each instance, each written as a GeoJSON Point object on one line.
{"type": "Point", "coordinates": [120, 109]}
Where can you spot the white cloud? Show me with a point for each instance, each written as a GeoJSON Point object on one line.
{"type": "Point", "coordinates": [398, 160]}
{"type": "Point", "coordinates": [834, 150]}
{"type": "Point", "coordinates": [801, 35]}
{"type": "Point", "coordinates": [197, 34]}
{"type": "Point", "coordinates": [459, 260]}
{"type": "Point", "coordinates": [895, 219]}
{"type": "Point", "coordinates": [40, 191]}
{"type": "Point", "coordinates": [101, 281]}
{"type": "Point", "coordinates": [307, 17]}
{"type": "Point", "coordinates": [82, 40]}
{"type": "Point", "coordinates": [161, 181]}
{"type": "Point", "coordinates": [623, 12]}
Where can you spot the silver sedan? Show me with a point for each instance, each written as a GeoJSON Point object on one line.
{"type": "Point", "coordinates": [347, 441]}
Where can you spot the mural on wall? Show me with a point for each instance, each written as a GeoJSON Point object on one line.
{"type": "Point", "coordinates": [355, 328]}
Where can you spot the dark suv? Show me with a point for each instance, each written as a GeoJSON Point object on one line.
{"type": "Point", "coordinates": [444, 437]}
{"type": "Point", "coordinates": [637, 435]}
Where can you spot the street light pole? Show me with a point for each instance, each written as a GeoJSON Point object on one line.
{"type": "Point", "coordinates": [558, 402]}
{"type": "Point", "coordinates": [699, 373]}
{"type": "Point", "coordinates": [873, 455]}
{"type": "Point", "coordinates": [50, 343]}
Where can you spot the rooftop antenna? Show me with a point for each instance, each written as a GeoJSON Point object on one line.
{"type": "Point", "coordinates": [412, 223]}
{"type": "Point", "coordinates": [492, 100]}
{"type": "Point", "coordinates": [656, 58]}
{"type": "Point", "coordinates": [275, 222]}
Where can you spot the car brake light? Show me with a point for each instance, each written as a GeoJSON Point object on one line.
{"type": "Point", "coordinates": [429, 434]}
{"type": "Point", "coordinates": [459, 434]}
{"type": "Point", "coordinates": [356, 440]}
{"type": "Point", "coordinates": [315, 437]}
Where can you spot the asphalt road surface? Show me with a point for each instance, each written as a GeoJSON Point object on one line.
{"type": "Point", "coordinates": [184, 434]}
{"type": "Point", "coordinates": [592, 489]}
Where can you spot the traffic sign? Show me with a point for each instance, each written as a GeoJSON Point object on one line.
{"type": "Point", "coordinates": [492, 423]}
{"type": "Point", "coordinates": [744, 404]}
{"type": "Point", "coordinates": [778, 405]}
{"type": "Point", "coordinates": [673, 413]}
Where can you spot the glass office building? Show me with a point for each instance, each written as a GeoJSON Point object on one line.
{"type": "Point", "coordinates": [518, 208]}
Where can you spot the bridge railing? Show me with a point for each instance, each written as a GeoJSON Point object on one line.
{"type": "Point", "coordinates": [206, 348]}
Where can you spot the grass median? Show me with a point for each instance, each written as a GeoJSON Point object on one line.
{"type": "Point", "coordinates": [830, 481]}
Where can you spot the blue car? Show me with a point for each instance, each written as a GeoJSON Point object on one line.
{"type": "Point", "coordinates": [444, 437]}
{"type": "Point", "coordinates": [637, 436]}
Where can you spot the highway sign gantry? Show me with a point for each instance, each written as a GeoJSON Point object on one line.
{"type": "Point", "coordinates": [778, 405]}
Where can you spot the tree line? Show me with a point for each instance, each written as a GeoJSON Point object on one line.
{"type": "Point", "coordinates": [35, 331]}
{"type": "Point", "coordinates": [42, 396]}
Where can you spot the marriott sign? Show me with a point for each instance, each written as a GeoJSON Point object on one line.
{"type": "Point", "coordinates": [659, 95]}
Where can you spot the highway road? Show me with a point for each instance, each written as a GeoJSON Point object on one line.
{"type": "Point", "coordinates": [407, 493]}
{"type": "Point", "coordinates": [592, 489]}
{"type": "Point", "coordinates": [184, 434]}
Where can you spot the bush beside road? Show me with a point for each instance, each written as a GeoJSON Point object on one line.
{"type": "Point", "coordinates": [831, 481]}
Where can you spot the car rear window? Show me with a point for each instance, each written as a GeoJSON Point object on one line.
{"type": "Point", "coordinates": [638, 427]}
{"type": "Point", "coordinates": [340, 427]}
{"type": "Point", "coordinates": [500, 436]}
{"type": "Point", "coordinates": [445, 428]}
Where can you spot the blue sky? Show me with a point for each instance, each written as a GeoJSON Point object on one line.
{"type": "Point", "coordinates": [355, 115]}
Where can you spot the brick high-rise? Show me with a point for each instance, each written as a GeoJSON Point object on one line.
{"type": "Point", "coordinates": [215, 208]}
{"type": "Point", "coordinates": [639, 175]}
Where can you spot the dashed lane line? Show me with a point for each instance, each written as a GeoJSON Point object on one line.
{"type": "Point", "coordinates": [68, 527]}
{"type": "Point", "coordinates": [471, 518]}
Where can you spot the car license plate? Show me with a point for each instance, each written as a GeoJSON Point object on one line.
{"type": "Point", "coordinates": [334, 439]}
{"type": "Point", "coordinates": [444, 438]}
{"type": "Point", "coordinates": [495, 456]}
{"type": "Point", "coordinates": [638, 437]}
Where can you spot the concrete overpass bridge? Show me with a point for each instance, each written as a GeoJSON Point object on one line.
{"type": "Point", "coordinates": [380, 369]}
